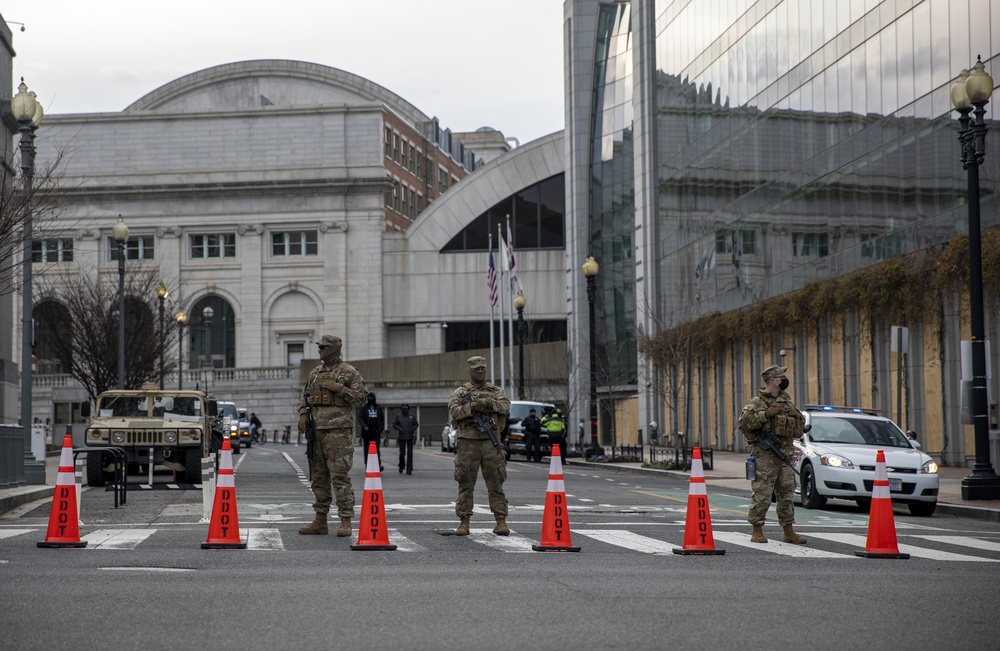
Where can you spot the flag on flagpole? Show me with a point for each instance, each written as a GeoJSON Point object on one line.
{"type": "Point", "coordinates": [515, 283]}
{"type": "Point", "coordinates": [491, 281]}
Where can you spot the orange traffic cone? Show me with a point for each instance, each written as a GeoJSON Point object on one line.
{"type": "Point", "coordinates": [224, 527]}
{"type": "Point", "coordinates": [698, 539]}
{"type": "Point", "coordinates": [881, 541]}
{"type": "Point", "coordinates": [372, 532]}
{"type": "Point", "coordinates": [64, 522]}
{"type": "Point", "coordinates": [555, 518]}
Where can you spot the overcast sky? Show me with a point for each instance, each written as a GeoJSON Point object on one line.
{"type": "Point", "coordinates": [471, 63]}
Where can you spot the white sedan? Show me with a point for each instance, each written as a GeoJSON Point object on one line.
{"type": "Point", "coordinates": [448, 439]}
{"type": "Point", "coordinates": [836, 459]}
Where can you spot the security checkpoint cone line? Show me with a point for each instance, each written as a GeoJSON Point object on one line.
{"type": "Point", "coordinates": [373, 534]}
{"type": "Point", "coordinates": [224, 528]}
{"type": "Point", "coordinates": [555, 518]}
{"type": "Point", "coordinates": [64, 522]}
{"type": "Point", "coordinates": [881, 542]}
{"type": "Point", "coordinates": [698, 538]}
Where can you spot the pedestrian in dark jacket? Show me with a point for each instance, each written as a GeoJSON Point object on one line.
{"type": "Point", "coordinates": [532, 437]}
{"type": "Point", "coordinates": [372, 424]}
{"type": "Point", "coordinates": [405, 425]}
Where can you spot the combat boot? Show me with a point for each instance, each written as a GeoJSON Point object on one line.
{"type": "Point", "coordinates": [758, 534]}
{"type": "Point", "coordinates": [344, 530]}
{"type": "Point", "coordinates": [463, 528]}
{"type": "Point", "coordinates": [792, 537]}
{"type": "Point", "coordinates": [317, 527]}
{"type": "Point", "coordinates": [501, 529]}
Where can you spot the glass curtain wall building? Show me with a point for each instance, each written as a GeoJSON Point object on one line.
{"type": "Point", "coordinates": [775, 144]}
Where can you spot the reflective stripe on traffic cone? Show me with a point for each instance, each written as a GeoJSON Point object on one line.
{"type": "Point", "coordinates": [373, 534]}
{"type": "Point", "coordinates": [881, 541]}
{"type": "Point", "coordinates": [555, 519]}
{"type": "Point", "coordinates": [224, 528]}
{"type": "Point", "coordinates": [64, 523]}
{"type": "Point", "coordinates": [698, 539]}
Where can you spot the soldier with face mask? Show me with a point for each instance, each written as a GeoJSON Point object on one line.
{"type": "Point", "coordinates": [772, 411]}
{"type": "Point", "coordinates": [474, 450]}
{"type": "Point", "coordinates": [334, 389]}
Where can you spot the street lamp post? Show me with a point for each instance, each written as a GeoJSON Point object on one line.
{"type": "Point", "coordinates": [28, 113]}
{"type": "Point", "coordinates": [181, 319]}
{"type": "Point", "coordinates": [519, 303]}
{"type": "Point", "coordinates": [206, 318]}
{"type": "Point", "coordinates": [590, 269]}
{"type": "Point", "coordinates": [161, 293]}
{"type": "Point", "coordinates": [970, 94]}
{"type": "Point", "coordinates": [121, 237]}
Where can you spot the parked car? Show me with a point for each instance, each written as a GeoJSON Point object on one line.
{"type": "Point", "coordinates": [519, 411]}
{"type": "Point", "coordinates": [243, 426]}
{"type": "Point", "coordinates": [229, 415]}
{"type": "Point", "coordinates": [448, 435]}
{"type": "Point", "coordinates": [836, 459]}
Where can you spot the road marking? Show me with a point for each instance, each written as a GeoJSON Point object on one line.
{"type": "Point", "coordinates": [628, 540]}
{"type": "Point", "coordinates": [10, 533]}
{"type": "Point", "coordinates": [402, 543]}
{"type": "Point", "coordinates": [512, 543]}
{"type": "Point", "coordinates": [964, 542]}
{"type": "Point", "coordinates": [777, 547]}
{"type": "Point", "coordinates": [116, 538]}
{"type": "Point", "coordinates": [264, 540]}
{"type": "Point", "coordinates": [917, 552]}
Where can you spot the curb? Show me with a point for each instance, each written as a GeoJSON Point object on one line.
{"type": "Point", "coordinates": [971, 512]}
{"type": "Point", "coordinates": [19, 496]}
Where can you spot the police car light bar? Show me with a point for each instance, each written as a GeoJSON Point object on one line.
{"type": "Point", "coordinates": [855, 410]}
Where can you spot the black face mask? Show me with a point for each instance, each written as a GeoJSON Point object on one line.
{"type": "Point", "coordinates": [405, 410]}
{"type": "Point", "coordinates": [783, 384]}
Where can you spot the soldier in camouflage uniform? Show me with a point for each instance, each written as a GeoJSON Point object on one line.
{"type": "Point", "coordinates": [772, 410]}
{"type": "Point", "coordinates": [474, 450]}
{"type": "Point", "coordinates": [335, 389]}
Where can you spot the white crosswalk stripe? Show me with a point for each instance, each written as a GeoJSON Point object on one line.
{"type": "Point", "coordinates": [776, 546]}
{"type": "Point", "coordinates": [116, 538]}
{"type": "Point", "coordinates": [512, 543]}
{"type": "Point", "coordinates": [10, 533]}
{"type": "Point", "coordinates": [402, 543]}
{"type": "Point", "coordinates": [912, 550]}
{"type": "Point", "coordinates": [628, 540]}
{"type": "Point", "coordinates": [264, 539]}
{"type": "Point", "coordinates": [962, 541]}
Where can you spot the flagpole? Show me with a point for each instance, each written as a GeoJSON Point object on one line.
{"type": "Point", "coordinates": [512, 275]}
{"type": "Point", "coordinates": [503, 375]}
{"type": "Point", "coordinates": [490, 299]}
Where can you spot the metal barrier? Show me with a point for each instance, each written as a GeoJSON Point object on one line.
{"type": "Point", "coordinates": [120, 481]}
{"type": "Point", "coordinates": [680, 457]}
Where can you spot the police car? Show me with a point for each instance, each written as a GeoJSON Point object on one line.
{"type": "Point", "coordinates": [836, 459]}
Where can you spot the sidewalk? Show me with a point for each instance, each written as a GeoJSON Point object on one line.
{"type": "Point", "coordinates": [729, 471]}
{"type": "Point", "coordinates": [11, 498]}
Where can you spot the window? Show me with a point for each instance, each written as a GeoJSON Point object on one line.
{"type": "Point", "coordinates": [406, 202]}
{"type": "Point", "coordinates": [388, 142]}
{"type": "Point", "coordinates": [222, 245]}
{"type": "Point", "coordinates": [420, 164]}
{"type": "Point", "coordinates": [137, 248]}
{"type": "Point", "coordinates": [442, 180]}
{"type": "Point", "coordinates": [412, 156]}
{"type": "Point", "coordinates": [395, 197]}
{"type": "Point", "coordinates": [420, 203]}
{"type": "Point", "coordinates": [881, 247]}
{"type": "Point", "coordinates": [293, 243]}
{"type": "Point", "coordinates": [68, 413]}
{"type": "Point", "coordinates": [413, 204]}
{"type": "Point", "coordinates": [724, 241]}
{"type": "Point", "coordinates": [388, 199]}
{"type": "Point", "coordinates": [294, 353]}
{"type": "Point", "coordinates": [815, 245]}
{"type": "Point", "coordinates": [56, 250]}
{"type": "Point", "coordinates": [395, 147]}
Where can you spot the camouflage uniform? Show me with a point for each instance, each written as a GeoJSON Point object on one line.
{"type": "Point", "coordinates": [474, 448]}
{"type": "Point", "coordinates": [333, 414]}
{"type": "Point", "coordinates": [773, 475]}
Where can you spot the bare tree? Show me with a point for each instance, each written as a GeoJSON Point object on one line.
{"type": "Point", "coordinates": [77, 329]}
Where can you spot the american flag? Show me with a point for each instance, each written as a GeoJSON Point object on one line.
{"type": "Point", "coordinates": [491, 281]}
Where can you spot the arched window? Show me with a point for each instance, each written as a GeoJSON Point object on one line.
{"type": "Point", "coordinates": [212, 340]}
{"type": "Point", "coordinates": [53, 350]}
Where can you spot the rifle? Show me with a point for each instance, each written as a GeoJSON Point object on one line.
{"type": "Point", "coordinates": [310, 430]}
{"type": "Point", "coordinates": [768, 442]}
{"type": "Point", "coordinates": [485, 424]}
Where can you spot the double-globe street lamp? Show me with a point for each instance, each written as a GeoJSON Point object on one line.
{"type": "Point", "coordinates": [28, 113]}
{"type": "Point", "coordinates": [161, 294]}
{"type": "Point", "coordinates": [519, 302]}
{"type": "Point", "coordinates": [181, 319]}
{"type": "Point", "coordinates": [120, 231]}
{"type": "Point", "coordinates": [970, 94]}
{"type": "Point", "coordinates": [590, 269]}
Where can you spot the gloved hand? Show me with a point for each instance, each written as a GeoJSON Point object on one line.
{"type": "Point", "coordinates": [773, 410]}
{"type": "Point", "coordinates": [482, 405]}
{"type": "Point", "coordinates": [302, 423]}
{"type": "Point", "coordinates": [331, 385]}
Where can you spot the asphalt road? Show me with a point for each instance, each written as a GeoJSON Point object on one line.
{"type": "Point", "coordinates": [143, 581]}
